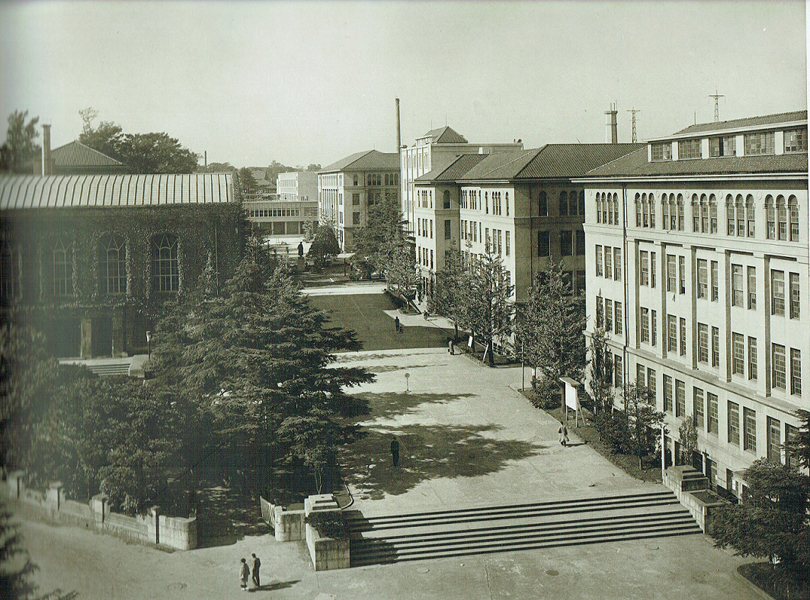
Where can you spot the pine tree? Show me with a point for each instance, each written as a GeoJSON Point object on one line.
{"type": "Point", "coordinates": [601, 371]}
{"type": "Point", "coordinates": [448, 298]}
{"type": "Point", "coordinates": [643, 420]}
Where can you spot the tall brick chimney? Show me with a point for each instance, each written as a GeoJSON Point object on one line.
{"type": "Point", "coordinates": [47, 164]}
{"type": "Point", "coordinates": [611, 126]}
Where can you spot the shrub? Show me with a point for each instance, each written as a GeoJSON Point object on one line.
{"type": "Point", "coordinates": [546, 394]}
{"type": "Point", "coordinates": [614, 431]}
{"type": "Point", "coordinates": [282, 497]}
{"type": "Point", "coordinates": [329, 524]}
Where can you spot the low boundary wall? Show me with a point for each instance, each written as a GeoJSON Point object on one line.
{"type": "Point", "coordinates": [152, 528]}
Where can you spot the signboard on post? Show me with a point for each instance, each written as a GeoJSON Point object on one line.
{"type": "Point", "coordinates": [572, 399]}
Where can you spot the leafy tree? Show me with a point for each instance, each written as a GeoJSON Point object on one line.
{"type": "Point", "coordinates": [21, 147]}
{"type": "Point", "coordinates": [601, 370]}
{"type": "Point", "coordinates": [486, 294]}
{"type": "Point", "coordinates": [379, 244]}
{"type": "Point", "coordinates": [216, 167]}
{"type": "Point", "coordinates": [247, 181]}
{"type": "Point", "coordinates": [401, 272]}
{"type": "Point", "coordinates": [324, 247]}
{"type": "Point", "coordinates": [271, 174]}
{"type": "Point", "coordinates": [313, 167]}
{"type": "Point", "coordinates": [447, 298]}
{"type": "Point", "coordinates": [644, 422]}
{"type": "Point", "coordinates": [772, 521]}
{"type": "Point", "coordinates": [799, 446]}
{"type": "Point", "coordinates": [551, 326]}
{"type": "Point", "coordinates": [688, 437]}
{"type": "Point", "coordinates": [17, 567]}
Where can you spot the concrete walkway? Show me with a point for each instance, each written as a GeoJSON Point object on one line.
{"type": "Point", "coordinates": [468, 438]}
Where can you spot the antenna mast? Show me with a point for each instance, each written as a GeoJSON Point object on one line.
{"type": "Point", "coordinates": [716, 97]}
{"type": "Point", "coordinates": [634, 111]}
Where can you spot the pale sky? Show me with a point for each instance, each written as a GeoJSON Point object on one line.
{"type": "Point", "coordinates": [303, 81]}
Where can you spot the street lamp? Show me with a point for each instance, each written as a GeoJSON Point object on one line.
{"type": "Point", "coordinates": [149, 343]}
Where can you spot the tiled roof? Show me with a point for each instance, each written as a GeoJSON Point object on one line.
{"type": "Point", "coordinates": [636, 165]}
{"type": "Point", "coordinates": [549, 162]}
{"type": "Point", "coordinates": [445, 135]}
{"type": "Point", "coordinates": [368, 160]}
{"type": "Point", "coordinates": [71, 191]}
{"type": "Point", "coordinates": [453, 169]}
{"type": "Point", "coordinates": [76, 154]}
{"type": "Point", "coordinates": [800, 115]}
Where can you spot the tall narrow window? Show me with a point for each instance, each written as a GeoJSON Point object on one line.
{"type": "Point", "coordinates": [750, 215]}
{"type": "Point", "coordinates": [653, 328]}
{"type": "Point", "coordinates": [752, 288]}
{"type": "Point", "coordinates": [619, 371]}
{"type": "Point", "coordinates": [731, 228]}
{"type": "Point", "coordinates": [770, 216]}
{"type": "Point", "coordinates": [781, 215]}
{"type": "Point", "coordinates": [682, 274]}
{"type": "Point", "coordinates": [736, 285]}
{"type": "Point", "coordinates": [668, 393]}
{"type": "Point", "coordinates": [580, 243]}
{"type": "Point", "coordinates": [165, 267]}
{"type": "Point", "coordinates": [778, 293]}
{"type": "Point", "coordinates": [644, 275]}
{"type": "Point", "coordinates": [750, 430]}
{"type": "Point", "coordinates": [542, 203]}
{"type": "Point", "coordinates": [665, 211]}
{"type": "Point", "coordinates": [619, 321]}
{"type": "Point", "coordinates": [112, 265]}
{"type": "Point", "coordinates": [672, 333]}
{"type": "Point", "coordinates": [715, 282]}
{"type": "Point", "coordinates": [793, 213]}
{"type": "Point", "coordinates": [683, 337]}
{"type": "Point", "coordinates": [566, 247]}
{"type": "Point", "coordinates": [779, 374]}
{"type": "Point", "coordinates": [738, 349]}
{"type": "Point", "coordinates": [795, 372]}
{"type": "Point", "coordinates": [680, 398]}
{"type": "Point", "coordinates": [651, 209]}
{"type": "Point", "coordinates": [680, 212]}
{"type": "Point", "coordinates": [507, 243]}
{"type": "Point", "coordinates": [10, 272]}
{"type": "Point", "coordinates": [795, 296]}
{"type": "Point", "coordinates": [752, 358]}
{"type": "Point", "coordinates": [652, 269]}
{"type": "Point", "coordinates": [703, 279]}
{"type": "Point", "coordinates": [740, 215]}
{"type": "Point", "coordinates": [712, 423]}
{"type": "Point", "coordinates": [713, 212]}
{"type": "Point", "coordinates": [616, 209]}
{"type": "Point", "coordinates": [608, 262]}
{"type": "Point", "coordinates": [790, 435]}
{"type": "Point", "coordinates": [599, 312]}
{"type": "Point", "coordinates": [734, 423]}
{"type": "Point", "coordinates": [543, 243]}
{"type": "Point", "coordinates": [697, 407]}
{"type": "Point", "coordinates": [774, 449]}
{"type": "Point", "coordinates": [645, 324]}
{"type": "Point", "coordinates": [671, 272]}
{"type": "Point", "coordinates": [563, 204]}
{"type": "Point", "coordinates": [703, 343]}
{"type": "Point", "coordinates": [62, 269]}
{"type": "Point", "coordinates": [651, 383]}
{"type": "Point", "coordinates": [598, 262]}
{"type": "Point", "coordinates": [617, 262]}
{"type": "Point", "coordinates": [608, 314]}
{"type": "Point", "coordinates": [715, 346]}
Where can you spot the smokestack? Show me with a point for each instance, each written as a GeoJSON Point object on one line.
{"type": "Point", "coordinates": [47, 167]}
{"type": "Point", "coordinates": [399, 134]}
{"type": "Point", "coordinates": [611, 126]}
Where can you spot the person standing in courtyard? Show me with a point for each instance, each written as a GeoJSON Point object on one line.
{"type": "Point", "coordinates": [396, 324]}
{"type": "Point", "coordinates": [395, 451]}
{"type": "Point", "coordinates": [244, 573]}
{"type": "Point", "coordinates": [563, 431]}
{"type": "Point", "coordinates": [256, 565]}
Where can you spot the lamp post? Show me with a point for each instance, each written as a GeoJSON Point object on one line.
{"type": "Point", "coordinates": [149, 344]}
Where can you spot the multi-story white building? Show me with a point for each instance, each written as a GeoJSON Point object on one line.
{"type": "Point", "coordinates": [522, 203]}
{"type": "Point", "coordinates": [347, 188]}
{"type": "Point", "coordinates": [436, 148]}
{"type": "Point", "coordinates": [297, 186]}
{"type": "Point", "coordinates": [697, 264]}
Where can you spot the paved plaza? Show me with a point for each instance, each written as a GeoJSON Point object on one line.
{"type": "Point", "coordinates": [468, 438]}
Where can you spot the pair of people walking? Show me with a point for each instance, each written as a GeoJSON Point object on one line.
{"type": "Point", "coordinates": [244, 573]}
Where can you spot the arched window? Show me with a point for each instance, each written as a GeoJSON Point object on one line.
{"type": "Point", "coordinates": [713, 212]}
{"type": "Point", "coordinates": [793, 209]}
{"type": "Point", "coordinates": [10, 270]}
{"type": "Point", "coordinates": [615, 208]}
{"type": "Point", "coordinates": [645, 219]}
{"type": "Point", "coordinates": [165, 267]}
{"type": "Point", "coordinates": [781, 214]}
{"type": "Point", "coordinates": [638, 210]}
{"type": "Point", "coordinates": [355, 180]}
{"type": "Point", "coordinates": [680, 212]}
{"type": "Point", "coordinates": [730, 214]}
{"type": "Point", "coordinates": [704, 213]}
{"type": "Point", "coordinates": [651, 208]}
{"type": "Point", "coordinates": [695, 214]}
{"type": "Point", "coordinates": [563, 204]}
{"type": "Point", "coordinates": [446, 199]}
{"type": "Point", "coordinates": [740, 215]}
{"type": "Point", "coordinates": [62, 269]}
{"type": "Point", "coordinates": [665, 210]}
{"type": "Point", "coordinates": [542, 204]}
{"type": "Point", "coordinates": [507, 204]}
{"type": "Point", "coordinates": [486, 202]}
{"type": "Point", "coordinates": [582, 202]}
{"type": "Point", "coordinates": [598, 207]}
{"type": "Point", "coordinates": [750, 215]}
{"type": "Point", "coordinates": [673, 212]}
{"type": "Point", "coordinates": [113, 264]}
{"type": "Point", "coordinates": [573, 205]}
{"type": "Point", "coordinates": [770, 217]}
{"type": "Point", "coordinates": [608, 204]}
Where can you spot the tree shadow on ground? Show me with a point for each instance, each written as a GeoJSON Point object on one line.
{"type": "Point", "coordinates": [428, 452]}
{"type": "Point", "coordinates": [391, 404]}
{"type": "Point", "coordinates": [390, 368]}
{"type": "Point", "coordinates": [225, 515]}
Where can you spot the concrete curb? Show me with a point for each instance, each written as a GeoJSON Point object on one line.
{"type": "Point", "coordinates": [753, 587]}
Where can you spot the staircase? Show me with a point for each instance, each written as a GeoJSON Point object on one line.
{"type": "Point", "coordinates": [103, 366]}
{"type": "Point", "coordinates": [446, 533]}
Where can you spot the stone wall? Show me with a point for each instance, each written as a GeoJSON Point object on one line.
{"type": "Point", "coordinates": [326, 553]}
{"type": "Point", "coordinates": [153, 528]}
{"type": "Point", "coordinates": [692, 489]}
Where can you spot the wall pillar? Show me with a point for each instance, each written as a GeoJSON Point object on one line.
{"type": "Point", "coordinates": [86, 343]}
{"type": "Point", "coordinates": [54, 495]}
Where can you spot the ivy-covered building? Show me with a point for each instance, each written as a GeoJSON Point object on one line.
{"type": "Point", "coordinates": [93, 259]}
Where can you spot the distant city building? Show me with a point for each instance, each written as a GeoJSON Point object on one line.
{"type": "Point", "coordinates": [697, 266]}
{"type": "Point", "coordinates": [297, 186]}
{"type": "Point", "coordinates": [92, 259]}
{"type": "Point", "coordinates": [434, 149]}
{"type": "Point", "coordinates": [522, 204]}
{"type": "Point", "coordinates": [277, 218]}
{"type": "Point", "coordinates": [77, 159]}
{"type": "Point", "coordinates": [347, 188]}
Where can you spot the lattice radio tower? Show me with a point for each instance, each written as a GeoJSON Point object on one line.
{"type": "Point", "coordinates": [716, 97]}
{"type": "Point", "coordinates": [634, 111]}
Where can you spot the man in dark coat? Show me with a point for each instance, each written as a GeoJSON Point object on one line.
{"type": "Point", "coordinates": [395, 451]}
{"type": "Point", "coordinates": [256, 564]}
{"type": "Point", "coordinates": [396, 323]}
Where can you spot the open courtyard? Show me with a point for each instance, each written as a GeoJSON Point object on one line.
{"type": "Point", "coordinates": [468, 438]}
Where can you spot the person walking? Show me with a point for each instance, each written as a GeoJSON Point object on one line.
{"type": "Point", "coordinates": [256, 565]}
{"type": "Point", "coordinates": [244, 573]}
{"type": "Point", "coordinates": [563, 431]}
{"type": "Point", "coordinates": [396, 324]}
{"type": "Point", "coordinates": [395, 451]}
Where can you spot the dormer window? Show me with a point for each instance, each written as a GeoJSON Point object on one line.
{"type": "Point", "coordinates": [796, 140]}
{"type": "Point", "coordinates": [759, 143]}
{"type": "Point", "coordinates": [688, 149]}
{"type": "Point", "coordinates": [723, 146]}
{"type": "Point", "coordinates": [662, 151]}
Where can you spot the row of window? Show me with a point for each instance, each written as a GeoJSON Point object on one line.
{"type": "Point", "coordinates": [782, 216]}
{"type": "Point", "coordinates": [425, 257]}
{"type": "Point", "coordinates": [571, 243]}
{"type": "Point", "coordinates": [112, 270]}
{"type": "Point", "coordinates": [274, 212]}
{"type": "Point", "coordinates": [795, 140]}
{"type": "Point", "coordinates": [612, 266]}
{"type": "Point", "coordinates": [377, 179]}
{"type": "Point", "coordinates": [749, 300]}
{"type": "Point", "coordinates": [475, 200]}
{"type": "Point", "coordinates": [569, 203]}
{"type": "Point", "coordinates": [424, 228]}
{"type": "Point", "coordinates": [609, 315]}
